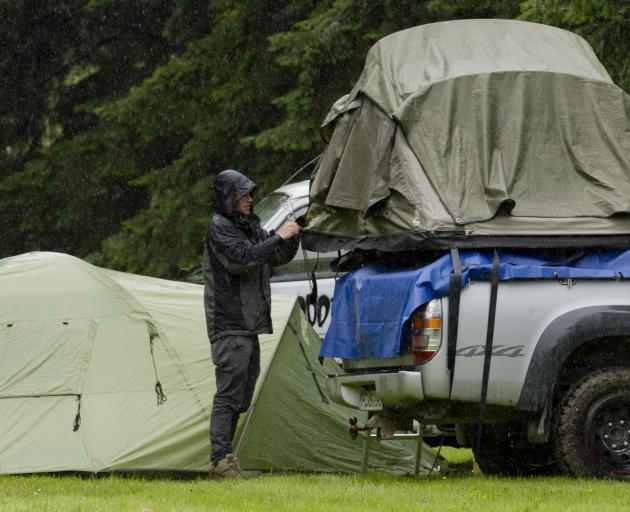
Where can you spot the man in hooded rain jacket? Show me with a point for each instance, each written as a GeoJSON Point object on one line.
{"type": "Point", "coordinates": [238, 262]}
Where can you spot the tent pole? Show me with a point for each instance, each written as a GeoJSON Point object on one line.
{"type": "Point", "coordinates": [237, 450]}
{"type": "Point", "coordinates": [418, 459]}
{"type": "Point", "coordinates": [365, 451]}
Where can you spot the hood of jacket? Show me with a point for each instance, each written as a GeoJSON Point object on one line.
{"type": "Point", "coordinates": [229, 187]}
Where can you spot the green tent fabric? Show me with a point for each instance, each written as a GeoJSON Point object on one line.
{"type": "Point", "coordinates": [82, 349]}
{"type": "Point", "coordinates": [474, 127]}
{"type": "Point", "coordinates": [292, 425]}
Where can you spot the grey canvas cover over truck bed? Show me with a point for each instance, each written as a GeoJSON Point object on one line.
{"type": "Point", "coordinates": [475, 133]}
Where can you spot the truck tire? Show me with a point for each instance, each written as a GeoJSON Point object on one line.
{"type": "Point", "coordinates": [592, 428]}
{"type": "Point", "coordinates": [505, 450]}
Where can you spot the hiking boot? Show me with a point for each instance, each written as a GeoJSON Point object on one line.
{"type": "Point", "coordinates": [227, 467]}
{"type": "Point", "coordinates": [238, 466]}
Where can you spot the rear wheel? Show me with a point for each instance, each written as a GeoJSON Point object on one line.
{"type": "Point", "coordinates": [505, 450]}
{"type": "Point", "coordinates": [592, 428]}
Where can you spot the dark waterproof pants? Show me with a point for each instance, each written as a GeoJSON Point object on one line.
{"type": "Point", "coordinates": [237, 365]}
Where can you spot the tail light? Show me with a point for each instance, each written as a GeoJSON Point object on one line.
{"type": "Point", "coordinates": [426, 331]}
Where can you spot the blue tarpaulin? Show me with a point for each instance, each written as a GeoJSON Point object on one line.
{"type": "Point", "coordinates": [371, 304]}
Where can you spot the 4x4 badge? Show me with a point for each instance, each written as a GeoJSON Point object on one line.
{"type": "Point", "coordinates": [497, 351]}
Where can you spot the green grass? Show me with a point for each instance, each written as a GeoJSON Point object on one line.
{"type": "Point", "coordinates": [460, 490]}
{"type": "Point", "coordinates": [458, 456]}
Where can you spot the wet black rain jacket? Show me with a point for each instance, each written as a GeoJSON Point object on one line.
{"type": "Point", "coordinates": [238, 263]}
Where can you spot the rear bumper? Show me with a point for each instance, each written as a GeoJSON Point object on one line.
{"type": "Point", "coordinates": [396, 389]}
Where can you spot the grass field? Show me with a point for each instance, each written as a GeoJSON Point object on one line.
{"type": "Point", "coordinates": [302, 492]}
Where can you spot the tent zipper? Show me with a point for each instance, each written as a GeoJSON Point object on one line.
{"type": "Point", "coordinates": [77, 419]}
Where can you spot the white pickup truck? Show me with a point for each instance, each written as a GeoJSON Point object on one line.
{"type": "Point", "coordinates": [555, 393]}
{"type": "Point", "coordinates": [484, 135]}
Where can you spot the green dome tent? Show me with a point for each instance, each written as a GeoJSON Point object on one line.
{"type": "Point", "coordinates": [105, 371]}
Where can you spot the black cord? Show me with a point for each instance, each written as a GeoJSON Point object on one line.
{"type": "Point", "coordinates": [437, 457]}
{"type": "Point", "coordinates": [161, 397]}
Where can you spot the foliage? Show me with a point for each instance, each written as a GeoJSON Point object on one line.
{"type": "Point", "coordinates": [463, 9]}
{"type": "Point", "coordinates": [326, 52]}
{"type": "Point", "coordinates": [64, 186]}
{"type": "Point", "coordinates": [116, 115]}
{"type": "Point", "coordinates": [605, 24]}
{"type": "Point", "coordinates": [193, 113]}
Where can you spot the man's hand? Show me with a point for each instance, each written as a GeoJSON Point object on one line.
{"type": "Point", "coordinates": [288, 230]}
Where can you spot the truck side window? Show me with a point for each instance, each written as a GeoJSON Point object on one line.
{"type": "Point", "coordinates": [297, 267]}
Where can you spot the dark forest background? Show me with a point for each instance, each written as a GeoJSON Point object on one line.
{"type": "Point", "coordinates": [117, 114]}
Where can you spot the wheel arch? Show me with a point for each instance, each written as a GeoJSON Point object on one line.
{"type": "Point", "coordinates": [565, 340]}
